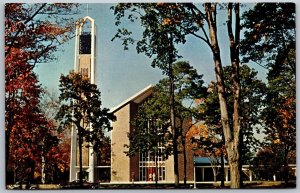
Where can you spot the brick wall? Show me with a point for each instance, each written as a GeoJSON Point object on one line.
{"type": "Point", "coordinates": [189, 156]}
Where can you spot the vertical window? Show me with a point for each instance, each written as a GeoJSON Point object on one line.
{"type": "Point", "coordinates": [84, 72]}
{"type": "Point", "coordinates": [85, 43]}
{"type": "Point", "coordinates": [152, 164]}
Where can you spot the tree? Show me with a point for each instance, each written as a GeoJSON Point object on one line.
{"type": "Point", "coordinates": [206, 143]}
{"type": "Point", "coordinates": [270, 41]}
{"type": "Point", "coordinates": [81, 107]}
{"type": "Point", "coordinates": [32, 34]}
{"type": "Point", "coordinates": [253, 92]}
{"type": "Point", "coordinates": [158, 39]}
{"type": "Point", "coordinates": [269, 34]}
{"type": "Point", "coordinates": [268, 162]}
{"type": "Point", "coordinates": [27, 127]}
{"type": "Point", "coordinates": [188, 18]}
{"type": "Point", "coordinates": [53, 155]}
{"type": "Point", "coordinates": [37, 28]}
{"type": "Point", "coordinates": [104, 158]}
{"type": "Point", "coordinates": [152, 125]}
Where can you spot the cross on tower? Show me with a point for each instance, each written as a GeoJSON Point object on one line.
{"type": "Point", "coordinates": [87, 9]}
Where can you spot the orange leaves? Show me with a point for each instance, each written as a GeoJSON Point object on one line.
{"type": "Point", "coordinates": [168, 7]}
{"type": "Point", "coordinates": [203, 141]}
{"type": "Point", "coordinates": [287, 112]}
{"type": "Point", "coordinates": [199, 104]}
{"type": "Point", "coordinates": [171, 21]}
{"type": "Point", "coordinates": [199, 101]}
{"type": "Point", "coordinates": [167, 21]}
{"type": "Point", "coordinates": [50, 29]}
{"type": "Point", "coordinates": [198, 131]}
{"type": "Point", "coordinates": [61, 154]}
{"type": "Point", "coordinates": [276, 141]}
{"type": "Point", "coordinates": [287, 120]}
{"type": "Point", "coordinates": [30, 38]}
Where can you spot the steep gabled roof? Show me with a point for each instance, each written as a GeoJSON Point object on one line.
{"type": "Point", "coordinates": [137, 98]}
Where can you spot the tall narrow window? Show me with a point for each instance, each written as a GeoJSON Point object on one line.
{"type": "Point", "coordinates": [85, 43]}
{"type": "Point", "coordinates": [152, 164]}
{"type": "Point", "coordinates": [84, 72]}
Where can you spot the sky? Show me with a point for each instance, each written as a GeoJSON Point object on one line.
{"type": "Point", "coordinates": [122, 73]}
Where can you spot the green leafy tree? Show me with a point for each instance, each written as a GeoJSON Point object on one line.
{"type": "Point", "coordinates": [253, 92]}
{"type": "Point", "coordinates": [268, 162]}
{"type": "Point", "coordinates": [270, 40]}
{"type": "Point", "coordinates": [152, 125]}
{"type": "Point", "coordinates": [81, 107]}
{"type": "Point", "coordinates": [180, 20]}
{"type": "Point", "coordinates": [158, 41]}
{"type": "Point", "coordinates": [269, 34]}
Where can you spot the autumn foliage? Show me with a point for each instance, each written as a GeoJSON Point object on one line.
{"type": "Point", "coordinates": [32, 35]}
{"type": "Point", "coordinates": [204, 142]}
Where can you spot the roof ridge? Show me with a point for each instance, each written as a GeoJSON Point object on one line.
{"type": "Point", "coordinates": [132, 98]}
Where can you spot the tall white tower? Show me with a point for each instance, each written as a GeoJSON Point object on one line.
{"type": "Point", "coordinates": [84, 63]}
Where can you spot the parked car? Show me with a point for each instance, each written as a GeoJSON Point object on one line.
{"type": "Point", "coordinates": [76, 185]}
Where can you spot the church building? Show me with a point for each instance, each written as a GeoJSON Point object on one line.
{"type": "Point", "coordinates": [141, 167]}
{"type": "Point", "coordinates": [123, 169]}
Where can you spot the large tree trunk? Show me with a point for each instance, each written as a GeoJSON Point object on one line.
{"type": "Point", "coordinates": [173, 129]}
{"type": "Point", "coordinates": [231, 134]}
{"type": "Point", "coordinates": [8, 128]}
{"type": "Point", "coordinates": [286, 165]}
{"type": "Point", "coordinates": [156, 170]}
{"type": "Point", "coordinates": [43, 170]}
{"type": "Point", "coordinates": [172, 111]}
{"type": "Point", "coordinates": [184, 160]}
{"type": "Point", "coordinates": [7, 146]}
{"type": "Point", "coordinates": [235, 174]}
{"type": "Point", "coordinates": [222, 168]}
{"type": "Point", "coordinates": [236, 166]}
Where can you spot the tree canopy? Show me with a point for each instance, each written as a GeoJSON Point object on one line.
{"type": "Point", "coordinates": [172, 22]}
{"type": "Point", "coordinates": [270, 40]}
{"type": "Point", "coordinates": [188, 86]}
{"type": "Point", "coordinates": [32, 35]}
{"type": "Point", "coordinates": [81, 107]}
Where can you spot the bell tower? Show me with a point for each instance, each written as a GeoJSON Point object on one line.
{"type": "Point", "coordinates": [84, 63]}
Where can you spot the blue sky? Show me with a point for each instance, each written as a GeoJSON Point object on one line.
{"type": "Point", "coordinates": [120, 74]}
